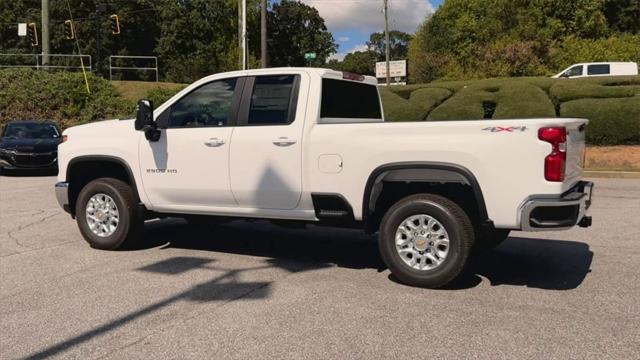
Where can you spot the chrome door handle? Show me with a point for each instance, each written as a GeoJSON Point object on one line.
{"type": "Point", "coordinates": [215, 142]}
{"type": "Point", "coordinates": [283, 141]}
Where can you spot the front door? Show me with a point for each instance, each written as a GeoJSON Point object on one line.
{"type": "Point", "coordinates": [266, 146]}
{"type": "Point", "coordinates": [188, 168]}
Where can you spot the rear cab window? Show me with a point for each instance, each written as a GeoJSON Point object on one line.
{"type": "Point", "coordinates": [346, 101]}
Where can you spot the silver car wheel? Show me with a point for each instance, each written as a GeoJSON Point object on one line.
{"type": "Point", "coordinates": [422, 242]}
{"type": "Point", "coordinates": [102, 215]}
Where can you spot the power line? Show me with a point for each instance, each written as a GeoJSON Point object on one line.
{"type": "Point", "coordinates": [84, 72]}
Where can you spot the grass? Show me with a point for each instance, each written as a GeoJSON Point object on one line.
{"type": "Point", "coordinates": [136, 90]}
{"type": "Point", "coordinates": [613, 158]}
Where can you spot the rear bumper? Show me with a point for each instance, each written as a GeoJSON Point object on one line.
{"type": "Point", "coordinates": [62, 195]}
{"type": "Point", "coordinates": [545, 214]}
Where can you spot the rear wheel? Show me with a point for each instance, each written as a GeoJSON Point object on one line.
{"type": "Point", "coordinates": [425, 240]}
{"type": "Point", "coordinates": [107, 214]}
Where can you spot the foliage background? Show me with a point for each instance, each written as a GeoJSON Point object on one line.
{"type": "Point", "coordinates": [469, 39]}
{"type": "Point", "coordinates": [192, 38]}
{"type": "Point", "coordinates": [612, 104]}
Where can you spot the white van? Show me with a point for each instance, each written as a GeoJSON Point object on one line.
{"type": "Point", "coordinates": [599, 69]}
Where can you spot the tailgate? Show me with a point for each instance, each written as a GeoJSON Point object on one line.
{"type": "Point", "coordinates": [576, 132]}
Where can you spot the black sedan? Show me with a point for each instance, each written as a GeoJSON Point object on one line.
{"type": "Point", "coordinates": [29, 145]}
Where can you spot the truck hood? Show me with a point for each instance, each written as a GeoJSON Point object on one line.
{"type": "Point", "coordinates": [99, 127]}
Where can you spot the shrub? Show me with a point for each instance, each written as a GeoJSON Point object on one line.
{"type": "Point", "coordinates": [618, 87]}
{"type": "Point", "coordinates": [397, 108]}
{"type": "Point", "coordinates": [615, 48]}
{"type": "Point", "coordinates": [58, 96]}
{"type": "Point", "coordinates": [612, 121]}
{"type": "Point", "coordinates": [159, 95]}
{"type": "Point", "coordinates": [494, 99]}
{"type": "Point", "coordinates": [417, 104]}
{"type": "Point", "coordinates": [612, 104]}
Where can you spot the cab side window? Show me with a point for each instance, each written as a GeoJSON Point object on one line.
{"type": "Point", "coordinates": [207, 106]}
{"type": "Point", "coordinates": [273, 100]}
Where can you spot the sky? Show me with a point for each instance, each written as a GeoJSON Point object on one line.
{"type": "Point", "coordinates": [352, 21]}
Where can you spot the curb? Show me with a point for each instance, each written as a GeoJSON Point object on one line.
{"type": "Point", "coordinates": [612, 174]}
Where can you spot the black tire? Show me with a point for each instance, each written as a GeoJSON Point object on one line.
{"type": "Point", "coordinates": [453, 219]}
{"type": "Point", "coordinates": [489, 239]}
{"type": "Point", "coordinates": [130, 223]}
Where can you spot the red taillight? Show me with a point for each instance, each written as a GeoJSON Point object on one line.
{"type": "Point", "coordinates": [555, 163]}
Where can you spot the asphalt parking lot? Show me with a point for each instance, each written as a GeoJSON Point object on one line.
{"type": "Point", "coordinates": [253, 290]}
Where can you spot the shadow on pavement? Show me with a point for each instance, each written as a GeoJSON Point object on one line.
{"type": "Point", "coordinates": [345, 248]}
{"type": "Point", "coordinates": [530, 262]}
{"type": "Point", "coordinates": [519, 261]}
{"type": "Point", "coordinates": [544, 264]}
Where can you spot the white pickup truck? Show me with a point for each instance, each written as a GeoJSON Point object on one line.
{"type": "Point", "coordinates": [310, 146]}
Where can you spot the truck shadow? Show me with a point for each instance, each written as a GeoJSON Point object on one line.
{"type": "Point", "coordinates": [519, 261]}
{"type": "Point", "coordinates": [535, 263]}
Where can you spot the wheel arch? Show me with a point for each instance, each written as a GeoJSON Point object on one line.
{"type": "Point", "coordinates": [83, 169]}
{"type": "Point", "coordinates": [418, 172]}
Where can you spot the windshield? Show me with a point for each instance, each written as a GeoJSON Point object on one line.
{"type": "Point", "coordinates": [31, 131]}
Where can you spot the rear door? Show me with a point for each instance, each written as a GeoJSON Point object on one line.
{"type": "Point", "coordinates": [266, 146]}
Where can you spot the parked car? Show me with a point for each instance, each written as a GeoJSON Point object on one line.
{"type": "Point", "coordinates": [29, 145]}
{"type": "Point", "coordinates": [303, 145]}
{"type": "Point", "coordinates": [599, 69]}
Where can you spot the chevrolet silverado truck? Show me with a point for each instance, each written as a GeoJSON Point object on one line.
{"type": "Point", "coordinates": [310, 146]}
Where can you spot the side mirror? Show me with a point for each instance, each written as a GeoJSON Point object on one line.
{"type": "Point", "coordinates": [144, 115]}
{"type": "Point", "coordinates": [565, 74]}
{"type": "Point", "coordinates": [144, 121]}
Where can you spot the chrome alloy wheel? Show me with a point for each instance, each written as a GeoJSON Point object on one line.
{"type": "Point", "coordinates": [422, 242]}
{"type": "Point", "coordinates": [102, 215]}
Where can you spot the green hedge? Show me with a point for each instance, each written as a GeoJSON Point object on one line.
{"type": "Point", "coordinates": [611, 103]}
{"type": "Point", "coordinates": [612, 121]}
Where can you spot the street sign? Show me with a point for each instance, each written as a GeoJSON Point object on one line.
{"type": "Point", "coordinates": [22, 29]}
{"type": "Point", "coordinates": [396, 68]}
{"type": "Point", "coordinates": [310, 56]}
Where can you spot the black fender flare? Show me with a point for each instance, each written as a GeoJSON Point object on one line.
{"type": "Point", "coordinates": [420, 172]}
{"type": "Point", "coordinates": [102, 158]}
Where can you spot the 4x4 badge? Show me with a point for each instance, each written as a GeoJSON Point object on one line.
{"type": "Point", "coordinates": [494, 129]}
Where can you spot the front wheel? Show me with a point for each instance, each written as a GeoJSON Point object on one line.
{"type": "Point", "coordinates": [425, 240]}
{"type": "Point", "coordinates": [106, 212]}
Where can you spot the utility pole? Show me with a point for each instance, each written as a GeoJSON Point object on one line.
{"type": "Point", "coordinates": [240, 63]}
{"type": "Point", "coordinates": [244, 34]}
{"type": "Point", "coordinates": [100, 10]}
{"type": "Point", "coordinates": [386, 36]}
{"type": "Point", "coordinates": [263, 33]}
{"type": "Point", "coordinates": [45, 32]}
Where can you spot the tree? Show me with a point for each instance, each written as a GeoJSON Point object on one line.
{"type": "Point", "coordinates": [359, 62]}
{"type": "Point", "coordinates": [478, 38]}
{"type": "Point", "coordinates": [623, 15]}
{"type": "Point", "coordinates": [296, 29]}
{"type": "Point", "coordinates": [196, 38]}
{"type": "Point", "coordinates": [398, 44]}
{"type": "Point", "coordinates": [12, 13]}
